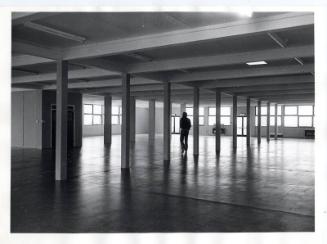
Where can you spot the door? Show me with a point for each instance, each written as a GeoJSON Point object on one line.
{"type": "Point", "coordinates": [70, 127]}
{"type": "Point", "coordinates": [241, 125]}
{"type": "Point", "coordinates": [175, 124]}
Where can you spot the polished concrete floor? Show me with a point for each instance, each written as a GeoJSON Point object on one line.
{"type": "Point", "coordinates": [266, 189]}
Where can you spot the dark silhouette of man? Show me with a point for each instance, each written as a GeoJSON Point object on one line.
{"type": "Point", "coordinates": [185, 126]}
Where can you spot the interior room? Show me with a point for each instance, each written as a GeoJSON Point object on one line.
{"type": "Point", "coordinates": [97, 104]}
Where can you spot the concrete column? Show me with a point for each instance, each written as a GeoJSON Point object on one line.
{"type": "Point", "coordinates": [61, 120]}
{"type": "Point", "coordinates": [132, 119]}
{"type": "Point", "coordinates": [196, 98]}
{"type": "Point", "coordinates": [107, 119]}
{"type": "Point", "coordinates": [125, 127]}
{"type": "Point", "coordinates": [276, 121]}
{"type": "Point", "coordinates": [234, 121]}
{"type": "Point", "coordinates": [259, 122]}
{"type": "Point", "coordinates": [248, 121]}
{"type": "Point", "coordinates": [268, 121]}
{"type": "Point", "coordinates": [152, 119]}
{"type": "Point", "coordinates": [166, 117]}
{"type": "Point", "coordinates": [218, 120]}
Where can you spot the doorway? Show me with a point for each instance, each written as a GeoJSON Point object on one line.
{"type": "Point", "coordinates": [241, 125]}
{"type": "Point", "coordinates": [175, 124]}
{"type": "Point", "coordinates": [70, 126]}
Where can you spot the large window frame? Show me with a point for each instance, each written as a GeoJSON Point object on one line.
{"type": "Point", "coordinates": [225, 115]}
{"type": "Point", "coordinates": [116, 115]}
{"type": "Point", "coordinates": [97, 117]}
{"type": "Point", "coordinates": [189, 111]}
{"type": "Point", "coordinates": [272, 116]}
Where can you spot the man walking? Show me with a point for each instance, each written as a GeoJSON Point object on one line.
{"type": "Point", "coordinates": [185, 126]}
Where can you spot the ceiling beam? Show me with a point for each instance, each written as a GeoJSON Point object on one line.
{"type": "Point", "coordinates": [293, 86]}
{"type": "Point", "coordinates": [258, 81]}
{"type": "Point", "coordinates": [72, 74]}
{"type": "Point", "coordinates": [280, 92]}
{"type": "Point", "coordinates": [222, 59]}
{"type": "Point", "coordinates": [193, 35]}
{"type": "Point", "coordinates": [38, 51]}
{"type": "Point", "coordinates": [23, 17]}
{"type": "Point", "coordinates": [55, 32]}
{"type": "Point", "coordinates": [107, 83]}
{"type": "Point", "coordinates": [243, 73]}
{"type": "Point", "coordinates": [282, 43]}
{"type": "Point", "coordinates": [23, 60]}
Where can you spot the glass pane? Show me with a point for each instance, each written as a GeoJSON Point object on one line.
{"type": "Point", "coordinates": [120, 110]}
{"type": "Point", "coordinates": [305, 121]}
{"type": "Point", "coordinates": [114, 120]}
{"type": "Point", "coordinates": [177, 124]}
{"type": "Point", "coordinates": [201, 120]}
{"type": "Point", "coordinates": [272, 110]}
{"type": "Point", "coordinates": [172, 124]}
{"type": "Point", "coordinates": [115, 110]}
{"type": "Point", "coordinates": [244, 131]}
{"type": "Point", "coordinates": [290, 110]}
{"type": "Point", "coordinates": [239, 122]}
{"type": "Point", "coordinates": [224, 111]}
{"type": "Point", "coordinates": [290, 121]}
{"type": "Point", "coordinates": [201, 111]}
{"type": "Point", "coordinates": [97, 109]}
{"type": "Point", "coordinates": [87, 108]}
{"type": "Point", "coordinates": [263, 110]}
{"type": "Point", "coordinates": [120, 120]}
{"type": "Point", "coordinates": [87, 119]}
{"type": "Point", "coordinates": [279, 121]}
{"type": "Point", "coordinates": [225, 120]}
{"type": "Point", "coordinates": [256, 121]}
{"type": "Point", "coordinates": [272, 121]}
{"type": "Point", "coordinates": [191, 118]}
{"type": "Point", "coordinates": [279, 110]}
{"type": "Point", "coordinates": [244, 121]}
{"type": "Point", "coordinates": [212, 120]}
{"type": "Point", "coordinates": [97, 119]}
{"type": "Point", "coordinates": [239, 130]}
{"type": "Point", "coordinates": [189, 111]}
{"type": "Point", "coordinates": [263, 120]}
{"type": "Point", "coordinates": [212, 111]}
{"type": "Point", "coordinates": [305, 110]}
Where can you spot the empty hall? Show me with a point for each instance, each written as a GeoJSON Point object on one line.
{"type": "Point", "coordinates": [138, 122]}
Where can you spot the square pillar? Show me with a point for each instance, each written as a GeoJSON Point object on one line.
{"type": "Point", "coordinates": [268, 121]}
{"type": "Point", "coordinates": [276, 121]}
{"type": "Point", "coordinates": [132, 119]}
{"type": "Point", "coordinates": [234, 121]}
{"type": "Point", "coordinates": [259, 122]}
{"type": "Point", "coordinates": [166, 117]}
{"type": "Point", "coordinates": [248, 121]}
{"type": "Point", "coordinates": [218, 120]}
{"type": "Point", "coordinates": [125, 127]}
{"type": "Point", "coordinates": [107, 119]}
{"type": "Point", "coordinates": [61, 120]}
{"type": "Point", "coordinates": [152, 119]}
{"type": "Point", "coordinates": [196, 101]}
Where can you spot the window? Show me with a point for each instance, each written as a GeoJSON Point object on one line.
{"type": "Point", "coordinates": [189, 111]}
{"type": "Point", "coordinates": [225, 113]}
{"type": "Point", "coordinates": [306, 114]}
{"type": "Point", "coordinates": [116, 115]}
{"type": "Point", "coordinates": [299, 116]}
{"type": "Point", "coordinates": [290, 121]}
{"type": "Point", "coordinates": [272, 116]}
{"type": "Point", "coordinates": [290, 110]}
{"type": "Point", "coordinates": [93, 114]}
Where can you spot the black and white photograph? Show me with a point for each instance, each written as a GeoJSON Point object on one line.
{"type": "Point", "coordinates": [163, 122]}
